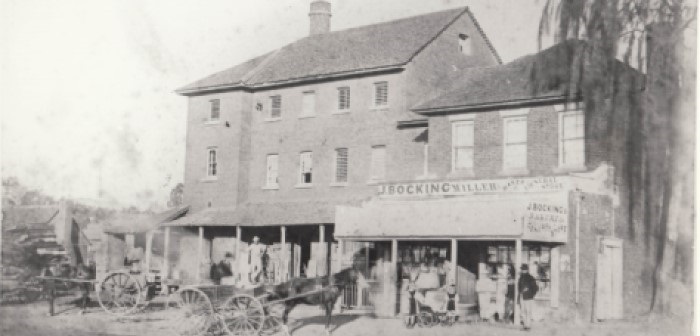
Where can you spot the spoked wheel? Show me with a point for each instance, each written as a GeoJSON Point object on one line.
{"type": "Point", "coordinates": [273, 319]}
{"type": "Point", "coordinates": [119, 293]}
{"type": "Point", "coordinates": [194, 314]}
{"type": "Point", "coordinates": [243, 315]}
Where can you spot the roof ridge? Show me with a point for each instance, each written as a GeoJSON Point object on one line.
{"type": "Point", "coordinates": [483, 34]}
{"type": "Point", "coordinates": [442, 30]}
{"type": "Point", "coordinates": [461, 8]}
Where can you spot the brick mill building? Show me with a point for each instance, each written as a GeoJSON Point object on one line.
{"type": "Point", "coordinates": [402, 143]}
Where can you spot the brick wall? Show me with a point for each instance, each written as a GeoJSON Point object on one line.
{"type": "Point", "coordinates": [201, 135]}
{"type": "Point", "coordinates": [542, 147]}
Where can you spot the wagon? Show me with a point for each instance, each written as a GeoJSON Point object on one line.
{"type": "Point", "coordinates": [227, 309]}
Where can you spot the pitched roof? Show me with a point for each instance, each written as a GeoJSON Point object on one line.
{"type": "Point", "coordinates": [376, 47]}
{"type": "Point", "coordinates": [26, 216]}
{"type": "Point", "coordinates": [497, 85]}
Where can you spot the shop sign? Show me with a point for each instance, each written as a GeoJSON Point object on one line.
{"type": "Point", "coordinates": [471, 187]}
{"type": "Point", "coordinates": [546, 222]}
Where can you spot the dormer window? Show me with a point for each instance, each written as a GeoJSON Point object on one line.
{"type": "Point", "coordinates": [465, 44]}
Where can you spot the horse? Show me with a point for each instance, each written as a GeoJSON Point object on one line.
{"type": "Point", "coordinates": [323, 291]}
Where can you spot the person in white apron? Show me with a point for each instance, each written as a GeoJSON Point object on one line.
{"type": "Point", "coordinates": [256, 251]}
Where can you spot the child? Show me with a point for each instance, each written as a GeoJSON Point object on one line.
{"type": "Point", "coordinates": [411, 318]}
{"type": "Point", "coordinates": [451, 302]}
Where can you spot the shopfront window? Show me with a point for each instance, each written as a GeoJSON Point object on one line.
{"type": "Point", "coordinates": [536, 256]}
{"type": "Point", "coordinates": [427, 264]}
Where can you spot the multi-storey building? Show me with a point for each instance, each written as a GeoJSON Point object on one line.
{"type": "Point", "coordinates": [403, 143]}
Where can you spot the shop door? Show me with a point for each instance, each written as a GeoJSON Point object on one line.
{"type": "Point", "coordinates": [608, 287]}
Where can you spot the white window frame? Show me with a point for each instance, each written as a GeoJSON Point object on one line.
{"type": "Point", "coordinates": [308, 111]}
{"type": "Point", "coordinates": [336, 157]}
{"type": "Point", "coordinates": [212, 168]}
{"type": "Point", "coordinates": [563, 113]}
{"type": "Point", "coordinates": [300, 180]}
{"type": "Point", "coordinates": [510, 116]}
{"type": "Point", "coordinates": [270, 116]}
{"type": "Point", "coordinates": [374, 94]}
{"type": "Point", "coordinates": [340, 108]}
{"type": "Point", "coordinates": [269, 184]}
{"type": "Point", "coordinates": [373, 168]}
{"type": "Point", "coordinates": [212, 103]}
{"type": "Point", "coordinates": [455, 125]}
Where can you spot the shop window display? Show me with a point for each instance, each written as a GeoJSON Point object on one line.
{"type": "Point", "coordinates": [536, 256]}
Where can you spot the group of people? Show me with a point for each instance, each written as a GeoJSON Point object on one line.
{"type": "Point", "coordinates": [223, 271]}
{"type": "Point", "coordinates": [424, 280]}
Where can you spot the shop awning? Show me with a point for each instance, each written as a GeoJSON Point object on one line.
{"type": "Point", "coordinates": [455, 218]}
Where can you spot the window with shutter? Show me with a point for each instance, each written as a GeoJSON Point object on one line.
{"type": "Point", "coordinates": [381, 94]}
{"type": "Point", "coordinates": [305, 167]}
{"type": "Point", "coordinates": [341, 165]}
{"type": "Point", "coordinates": [308, 104]}
{"type": "Point", "coordinates": [378, 163]}
{"type": "Point", "coordinates": [275, 107]}
{"type": "Point", "coordinates": [343, 98]}
{"type": "Point", "coordinates": [571, 139]}
{"type": "Point", "coordinates": [214, 112]}
{"type": "Point", "coordinates": [463, 145]}
{"type": "Point", "coordinates": [515, 143]}
{"type": "Point", "coordinates": [211, 162]}
{"type": "Point", "coordinates": [272, 172]}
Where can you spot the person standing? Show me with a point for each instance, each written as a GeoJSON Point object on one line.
{"type": "Point", "coordinates": [256, 251]}
{"type": "Point", "coordinates": [527, 286]}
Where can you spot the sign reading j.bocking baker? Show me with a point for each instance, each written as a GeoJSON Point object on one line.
{"type": "Point", "coordinates": [470, 187]}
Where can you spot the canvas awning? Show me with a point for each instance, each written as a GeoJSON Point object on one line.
{"type": "Point", "coordinates": [462, 217]}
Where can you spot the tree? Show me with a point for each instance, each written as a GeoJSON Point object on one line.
{"type": "Point", "coordinates": [176, 196]}
{"type": "Point", "coordinates": [660, 157]}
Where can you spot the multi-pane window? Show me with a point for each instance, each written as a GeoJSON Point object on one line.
{"type": "Point", "coordinates": [378, 163]}
{"type": "Point", "coordinates": [343, 98]}
{"type": "Point", "coordinates": [341, 165]}
{"type": "Point", "coordinates": [515, 143]}
{"type": "Point", "coordinates": [381, 94]}
{"type": "Point", "coordinates": [215, 109]}
{"type": "Point", "coordinates": [275, 107]}
{"type": "Point", "coordinates": [572, 139]}
{"type": "Point", "coordinates": [211, 162]}
{"type": "Point", "coordinates": [462, 145]}
{"type": "Point", "coordinates": [305, 167]}
{"type": "Point", "coordinates": [272, 171]}
{"type": "Point", "coordinates": [308, 103]}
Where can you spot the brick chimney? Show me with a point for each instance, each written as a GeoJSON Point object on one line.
{"type": "Point", "coordinates": [320, 17]}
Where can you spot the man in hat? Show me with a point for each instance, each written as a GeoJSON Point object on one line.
{"type": "Point", "coordinates": [527, 286]}
{"type": "Point", "coordinates": [256, 251]}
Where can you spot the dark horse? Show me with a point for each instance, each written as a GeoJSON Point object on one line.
{"type": "Point", "coordinates": [323, 291]}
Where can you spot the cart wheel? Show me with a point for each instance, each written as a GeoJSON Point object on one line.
{"type": "Point", "coordinates": [243, 315]}
{"type": "Point", "coordinates": [195, 314]}
{"type": "Point", "coordinates": [119, 293]}
{"type": "Point", "coordinates": [273, 319]}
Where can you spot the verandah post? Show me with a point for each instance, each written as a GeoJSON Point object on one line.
{"type": "Point", "coordinates": [518, 262]}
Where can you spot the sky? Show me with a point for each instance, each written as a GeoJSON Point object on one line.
{"type": "Point", "coordinates": [87, 103]}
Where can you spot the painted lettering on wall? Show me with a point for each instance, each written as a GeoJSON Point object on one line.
{"type": "Point", "coordinates": [469, 187]}
{"type": "Point", "coordinates": [546, 222]}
